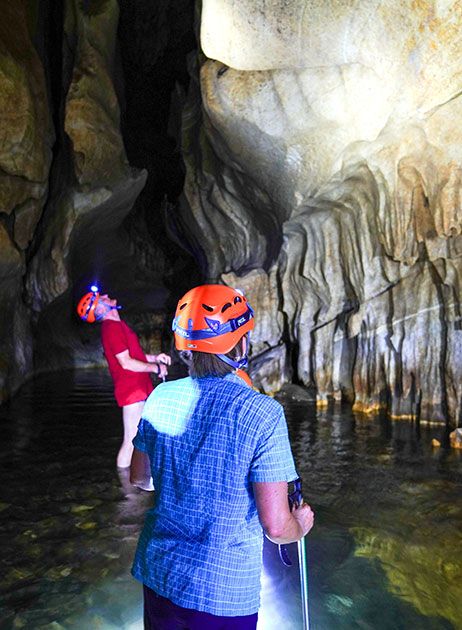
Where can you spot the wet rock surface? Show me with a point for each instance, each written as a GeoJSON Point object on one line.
{"type": "Point", "coordinates": [72, 211]}
{"type": "Point", "coordinates": [284, 155]}
{"type": "Point", "coordinates": [334, 170]}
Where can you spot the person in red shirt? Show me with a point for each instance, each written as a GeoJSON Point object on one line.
{"type": "Point", "coordinates": [128, 364]}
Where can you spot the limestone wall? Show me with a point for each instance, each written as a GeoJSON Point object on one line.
{"type": "Point", "coordinates": [62, 162]}
{"type": "Point", "coordinates": [329, 155]}
{"type": "Point", "coordinates": [322, 151]}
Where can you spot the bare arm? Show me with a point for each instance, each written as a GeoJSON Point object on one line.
{"type": "Point", "coordinates": [159, 358]}
{"type": "Point", "coordinates": [280, 525]}
{"type": "Point", "coordinates": [162, 361]}
{"type": "Point", "coordinates": [140, 471]}
{"type": "Point", "coordinates": [135, 365]}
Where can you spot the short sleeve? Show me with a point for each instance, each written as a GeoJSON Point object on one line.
{"type": "Point", "coordinates": [273, 460]}
{"type": "Point", "coordinates": [139, 441]}
{"type": "Point", "coordinates": [114, 338]}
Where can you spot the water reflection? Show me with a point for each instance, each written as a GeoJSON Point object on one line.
{"type": "Point", "coordinates": [385, 553]}
{"type": "Point", "coordinates": [386, 549]}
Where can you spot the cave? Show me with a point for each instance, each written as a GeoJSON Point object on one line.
{"type": "Point", "coordinates": [306, 153]}
{"type": "Point", "coordinates": [148, 164]}
{"type": "Point", "coordinates": [155, 146]}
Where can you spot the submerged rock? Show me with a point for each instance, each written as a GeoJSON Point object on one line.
{"type": "Point", "coordinates": [455, 438]}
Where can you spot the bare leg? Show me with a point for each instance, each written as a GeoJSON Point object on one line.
{"type": "Point", "coordinates": [131, 415]}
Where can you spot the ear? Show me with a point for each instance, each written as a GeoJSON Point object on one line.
{"type": "Point", "coordinates": [186, 356]}
{"type": "Point", "coordinates": [238, 352]}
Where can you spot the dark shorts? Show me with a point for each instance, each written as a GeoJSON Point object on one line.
{"type": "Point", "coordinates": [162, 614]}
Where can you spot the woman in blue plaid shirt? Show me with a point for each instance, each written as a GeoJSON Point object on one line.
{"type": "Point", "coordinates": [219, 457]}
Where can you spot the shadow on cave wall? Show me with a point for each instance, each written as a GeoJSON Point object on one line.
{"type": "Point", "coordinates": [131, 256]}
{"type": "Point", "coordinates": [155, 81]}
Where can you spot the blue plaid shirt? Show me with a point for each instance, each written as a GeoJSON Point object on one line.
{"type": "Point", "coordinates": [208, 439]}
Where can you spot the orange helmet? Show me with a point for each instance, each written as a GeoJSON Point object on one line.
{"type": "Point", "coordinates": [212, 318]}
{"type": "Point", "coordinates": [87, 305]}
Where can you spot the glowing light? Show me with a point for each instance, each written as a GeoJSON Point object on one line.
{"type": "Point", "coordinates": [280, 607]}
{"type": "Point", "coordinates": [94, 288]}
{"type": "Point", "coordinates": [159, 413]}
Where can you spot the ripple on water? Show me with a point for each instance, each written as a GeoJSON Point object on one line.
{"type": "Point", "coordinates": [385, 553]}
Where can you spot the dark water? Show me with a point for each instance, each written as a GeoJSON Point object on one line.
{"type": "Point", "coordinates": [385, 553]}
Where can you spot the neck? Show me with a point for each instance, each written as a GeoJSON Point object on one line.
{"type": "Point", "coordinates": [112, 314]}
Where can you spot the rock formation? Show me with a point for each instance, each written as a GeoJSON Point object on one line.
{"type": "Point", "coordinates": [322, 153]}
{"type": "Point", "coordinates": [327, 165]}
{"type": "Point", "coordinates": [25, 159]}
{"type": "Point", "coordinates": [67, 189]}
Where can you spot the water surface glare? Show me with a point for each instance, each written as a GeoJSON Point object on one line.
{"type": "Point", "coordinates": [385, 553]}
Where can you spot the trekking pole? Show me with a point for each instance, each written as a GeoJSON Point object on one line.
{"type": "Point", "coordinates": [303, 582]}
{"type": "Point", "coordinates": [296, 498]}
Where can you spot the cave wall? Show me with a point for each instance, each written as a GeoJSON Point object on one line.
{"type": "Point", "coordinates": [83, 197]}
{"type": "Point", "coordinates": [323, 153]}
{"type": "Point", "coordinates": [315, 151]}
{"type": "Point", "coordinates": [25, 160]}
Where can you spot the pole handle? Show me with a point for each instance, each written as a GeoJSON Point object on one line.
{"type": "Point", "coordinates": [294, 498]}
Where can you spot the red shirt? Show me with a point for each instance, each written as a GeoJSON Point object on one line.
{"type": "Point", "coordinates": [129, 387]}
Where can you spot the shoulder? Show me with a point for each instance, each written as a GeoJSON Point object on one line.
{"type": "Point", "coordinates": [110, 326]}
{"type": "Point", "coordinates": [172, 389]}
{"type": "Point", "coordinates": [268, 410]}
{"type": "Point", "coordinates": [251, 402]}
{"type": "Point", "coordinates": [111, 323]}
{"type": "Point", "coordinates": [170, 401]}
{"type": "Point", "coordinates": [232, 380]}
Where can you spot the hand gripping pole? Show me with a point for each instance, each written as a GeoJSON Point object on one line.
{"type": "Point", "coordinates": [295, 498]}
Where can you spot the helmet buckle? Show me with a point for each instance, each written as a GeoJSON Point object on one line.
{"type": "Point", "coordinates": [213, 324]}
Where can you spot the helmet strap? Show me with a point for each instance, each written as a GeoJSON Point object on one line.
{"type": "Point", "coordinates": [108, 308]}
{"type": "Point", "coordinates": [242, 362]}
{"type": "Point", "coordinates": [235, 364]}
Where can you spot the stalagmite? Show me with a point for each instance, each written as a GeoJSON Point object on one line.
{"type": "Point", "coordinates": [332, 135]}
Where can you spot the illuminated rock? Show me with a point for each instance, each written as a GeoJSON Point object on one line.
{"type": "Point", "coordinates": [25, 158]}
{"type": "Point", "coordinates": [455, 438]}
{"type": "Point", "coordinates": [25, 150]}
{"type": "Point", "coordinates": [92, 109]}
{"type": "Point", "coordinates": [269, 362]}
{"type": "Point", "coordinates": [330, 137]}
